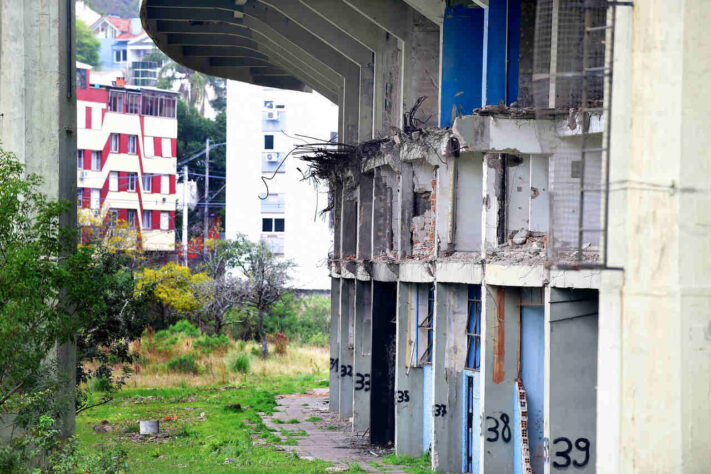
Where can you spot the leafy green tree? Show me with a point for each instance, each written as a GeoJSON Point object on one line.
{"type": "Point", "coordinates": [87, 45]}
{"type": "Point", "coordinates": [51, 293]}
{"type": "Point", "coordinates": [266, 278]}
{"type": "Point", "coordinates": [172, 289]}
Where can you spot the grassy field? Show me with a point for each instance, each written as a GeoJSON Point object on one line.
{"type": "Point", "coordinates": [209, 395]}
{"type": "Point", "coordinates": [208, 405]}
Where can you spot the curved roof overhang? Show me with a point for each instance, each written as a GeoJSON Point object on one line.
{"type": "Point", "coordinates": [216, 37]}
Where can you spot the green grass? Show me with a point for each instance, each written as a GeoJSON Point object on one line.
{"type": "Point", "coordinates": [419, 465]}
{"type": "Point", "coordinates": [201, 443]}
{"type": "Point", "coordinates": [314, 418]}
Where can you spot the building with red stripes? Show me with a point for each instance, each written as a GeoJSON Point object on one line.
{"type": "Point", "coordinates": [126, 157]}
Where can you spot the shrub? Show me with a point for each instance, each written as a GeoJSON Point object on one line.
{"type": "Point", "coordinates": [238, 362]}
{"type": "Point", "coordinates": [181, 328]}
{"type": "Point", "coordinates": [280, 343]}
{"type": "Point", "coordinates": [207, 344]}
{"type": "Point", "coordinates": [256, 351]}
{"type": "Point", "coordinates": [241, 346]}
{"type": "Point", "coordinates": [101, 384]}
{"type": "Point", "coordinates": [185, 364]}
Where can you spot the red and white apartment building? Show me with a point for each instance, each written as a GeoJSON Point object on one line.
{"type": "Point", "coordinates": [126, 157]}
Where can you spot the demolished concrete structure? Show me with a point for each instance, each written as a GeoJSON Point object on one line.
{"type": "Point", "coordinates": [482, 237]}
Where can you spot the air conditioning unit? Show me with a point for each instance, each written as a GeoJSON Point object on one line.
{"type": "Point", "coordinates": [272, 157]}
{"type": "Point", "coordinates": [272, 115]}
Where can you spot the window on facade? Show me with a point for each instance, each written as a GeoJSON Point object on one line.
{"type": "Point", "coordinates": [80, 197]}
{"type": "Point", "coordinates": [95, 160]}
{"type": "Point", "coordinates": [81, 79]}
{"type": "Point", "coordinates": [158, 105]}
{"type": "Point", "coordinates": [147, 183]}
{"type": "Point", "coordinates": [113, 181]}
{"type": "Point", "coordinates": [113, 217]}
{"type": "Point", "coordinates": [95, 199]}
{"type": "Point", "coordinates": [165, 184]}
{"type": "Point", "coordinates": [114, 147]}
{"type": "Point", "coordinates": [132, 144]}
{"type": "Point", "coordinates": [474, 327]}
{"type": "Point", "coordinates": [133, 102]}
{"type": "Point", "coordinates": [164, 221]}
{"type": "Point", "coordinates": [272, 225]}
{"type": "Point", "coordinates": [132, 181]}
{"type": "Point", "coordinates": [116, 101]}
{"type": "Point", "coordinates": [131, 216]}
{"type": "Point", "coordinates": [425, 328]}
{"type": "Point", "coordinates": [80, 159]}
{"type": "Point", "coordinates": [268, 142]}
{"type": "Point", "coordinates": [268, 104]}
{"type": "Point", "coordinates": [120, 56]}
{"type": "Point", "coordinates": [147, 220]}
{"type": "Point", "coordinates": [334, 137]}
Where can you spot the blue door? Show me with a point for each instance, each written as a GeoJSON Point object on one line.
{"type": "Point", "coordinates": [532, 346]}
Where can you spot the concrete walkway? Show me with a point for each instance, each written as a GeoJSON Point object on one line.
{"type": "Point", "coordinates": [329, 438]}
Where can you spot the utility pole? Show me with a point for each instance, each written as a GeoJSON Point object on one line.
{"type": "Point", "coordinates": [185, 215]}
{"type": "Point", "coordinates": [207, 189]}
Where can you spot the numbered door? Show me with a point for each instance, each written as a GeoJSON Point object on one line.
{"type": "Point", "coordinates": [382, 380]}
{"type": "Point", "coordinates": [532, 363]}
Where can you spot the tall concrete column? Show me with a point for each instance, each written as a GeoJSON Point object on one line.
{"type": "Point", "coordinates": [346, 348]}
{"type": "Point", "coordinates": [335, 347]}
{"type": "Point", "coordinates": [38, 111]}
{"type": "Point", "coordinates": [362, 382]}
{"type": "Point", "coordinates": [408, 377]}
{"type": "Point", "coordinates": [500, 336]}
{"type": "Point", "coordinates": [661, 312]}
{"type": "Point", "coordinates": [450, 348]}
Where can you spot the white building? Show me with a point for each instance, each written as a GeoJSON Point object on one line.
{"type": "Point", "coordinates": [263, 126]}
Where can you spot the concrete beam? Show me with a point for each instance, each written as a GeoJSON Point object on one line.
{"type": "Point", "coordinates": [388, 64]}
{"type": "Point", "coordinates": [344, 44]}
{"type": "Point", "coordinates": [421, 46]}
{"type": "Point", "coordinates": [433, 10]}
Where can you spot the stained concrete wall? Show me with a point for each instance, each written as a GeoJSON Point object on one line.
{"type": "Point", "coordinates": [38, 111]}
{"type": "Point", "coordinates": [362, 382]}
{"type": "Point", "coordinates": [345, 378]}
{"type": "Point", "coordinates": [408, 378]}
{"type": "Point", "coordinates": [571, 380]}
{"type": "Point", "coordinates": [450, 347]}
{"type": "Point", "coordinates": [365, 216]}
{"type": "Point", "coordinates": [384, 210]}
{"type": "Point", "coordinates": [500, 331]}
{"type": "Point", "coordinates": [468, 203]}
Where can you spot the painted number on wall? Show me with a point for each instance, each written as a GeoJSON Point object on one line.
{"type": "Point", "coordinates": [495, 433]}
{"type": "Point", "coordinates": [334, 364]}
{"type": "Point", "coordinates": [403, 396]}
{"type": "Point", "coordinates": [440, 410]}
{"type": "Point", "coordinates": [564, 446]}
{"type": "Point", "coordinates": [346, 371]}
{"type": "Point", "coordinates": [362, 382]}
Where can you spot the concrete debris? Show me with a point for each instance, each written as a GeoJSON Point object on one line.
{"type": "Point", "coordinates": [103, 427]}
{"type": "Point", "coordinates": [230, 460]}
{"type": "Point", "coordinates": [521, 237]}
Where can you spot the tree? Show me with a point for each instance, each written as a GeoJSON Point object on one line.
{"type": "Point", "coordinates": [267, 276]}
{"type": "Point", "coordinates": [219, 297]}
{"type": "Point", "coordinates": [87, 45]}
{"type": "Point", "coordinates": [173, 290]}
{"type": "Point", "coordinates": [51, 293]}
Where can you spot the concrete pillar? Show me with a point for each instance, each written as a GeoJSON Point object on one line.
{"type": "Point", "coordinates": [337, 193]}
{"type": "Point", "coordinates": [571, 379]}
{"type": "Point", "coordinates": [405, 210]}
{"type": "Point", "coordinates": [420, 40]}
{"type": "Point", "coordinates": [500, 336]}
{"type": "Point", "coordinates": [349, 229]}
{"type": "Point", "coordinates": [362, 382]}
{"type": "Point", "coordinates": [335, 350]}
{"type": "Point", "coordinates": [408, 377]}
{"type": "Point", "coordinates": [38, 112]}
{"type": "Point", "coordinates": [450, 347]}
{"type": "Point", "coordinates": [657, 321]}
{"type": "Point", "coordinates": [346, 348]}
{"type": "Point", "coordinates": [365, 216]}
